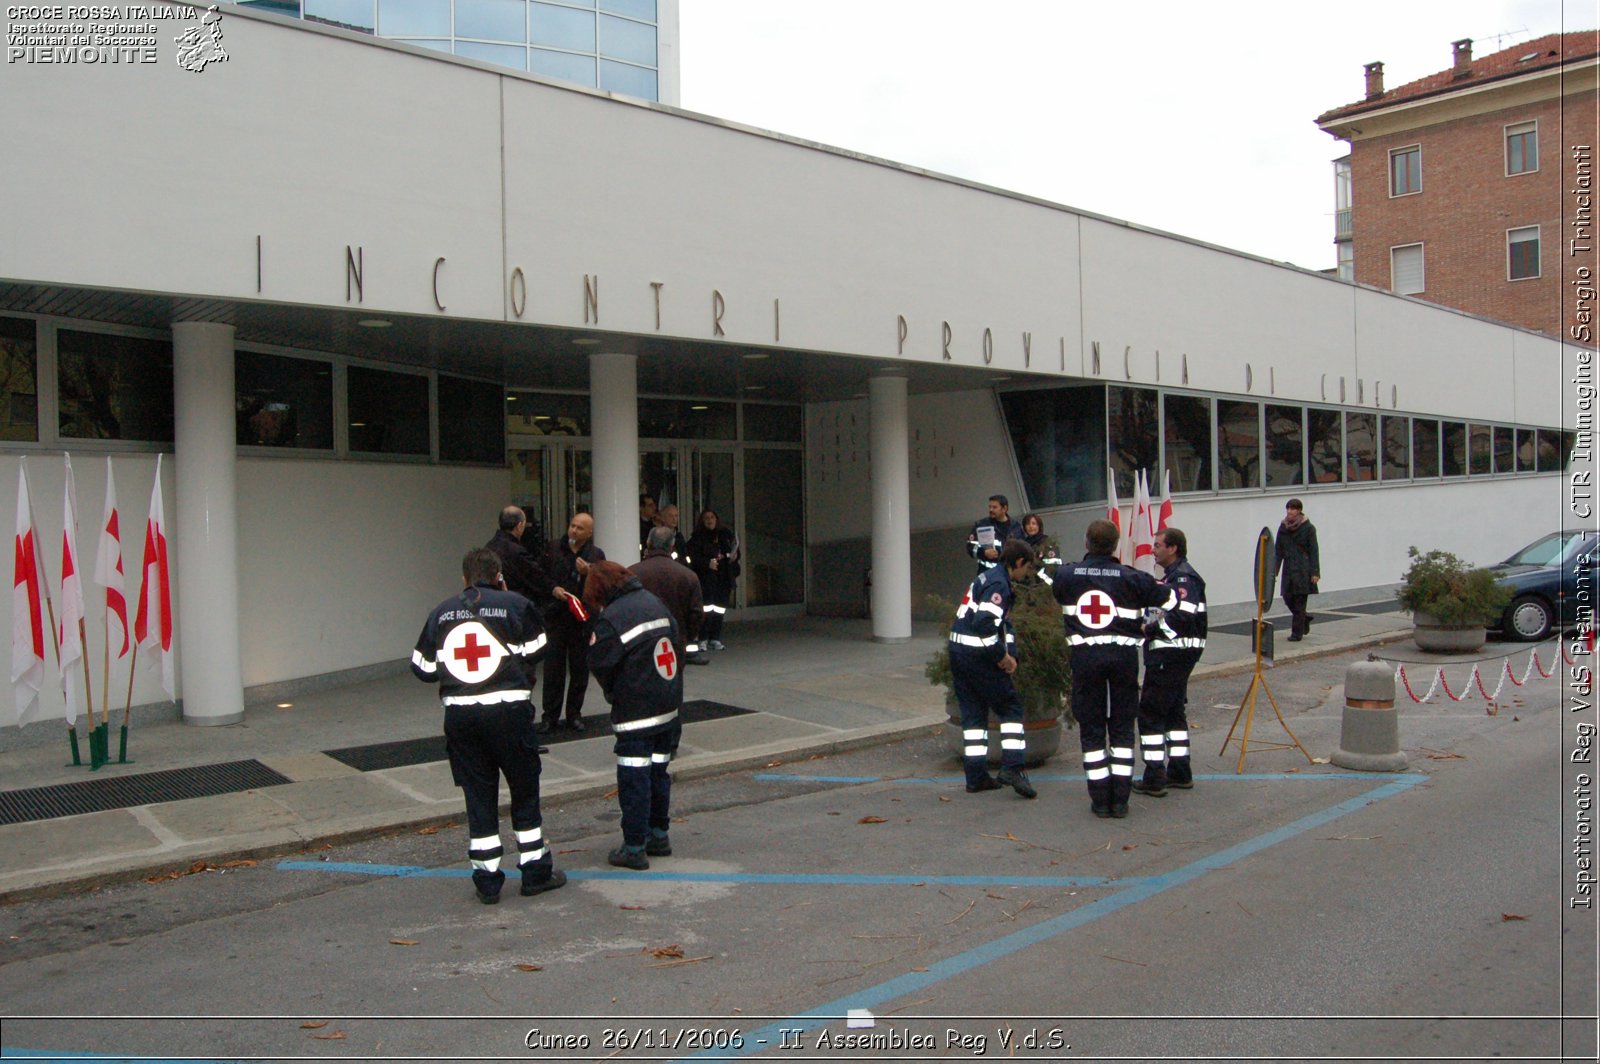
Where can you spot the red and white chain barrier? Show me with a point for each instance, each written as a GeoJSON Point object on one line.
{"type": "Point", "coordinates": [1475, 678]}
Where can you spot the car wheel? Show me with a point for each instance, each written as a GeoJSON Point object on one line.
{"type": "Point", "coordinates": [1528, 618]}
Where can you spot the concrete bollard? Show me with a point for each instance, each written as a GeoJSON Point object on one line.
{"type": "Point", "coordinates": [1369, 739]}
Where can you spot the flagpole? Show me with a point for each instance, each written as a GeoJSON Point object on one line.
{"type": "Point", "coordinates": [105, 672]}
{"type": "Point", "coordinates": [127, 708]}
{"type": "Point", "coordinates": [50, 607]}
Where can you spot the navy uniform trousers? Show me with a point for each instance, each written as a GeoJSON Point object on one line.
{"type": "Point", "coordinates": [1164, 717]}
{"type": "Point", "coordinates": [1105, 699]}
{"type": "Point", "coordinates": [483, 742]}
{"type": "Point", "coordinates": [982, 688]}
{"type": "Point", "coordinates": [644, 786]}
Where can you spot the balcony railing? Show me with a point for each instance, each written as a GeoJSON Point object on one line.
{"type": "Point", "coordinates": [1343, 229]}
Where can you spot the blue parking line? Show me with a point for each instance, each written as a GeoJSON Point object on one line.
{"type": "Point", "coordinates": [817, 879]}
{"type": "Point", "coordinates": [1000, 948]}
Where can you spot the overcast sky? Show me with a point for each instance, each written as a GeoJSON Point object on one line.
{"type": "Point", "coordinates": [1189, 117]}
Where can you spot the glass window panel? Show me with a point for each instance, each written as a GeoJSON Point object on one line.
{"type": "Point", "coordinates": [281, 7]}
{"type": "Point", "coordinates": [768, 423]}
{"type": "Point", "coordinates": [1361, 446]}
{"type": "Point", "coordinates": [494, 20]}
{"type": "Point", "coordinates": [1131, 422]}
{"type": "Point", "coordinates": [578, 69]}
{"type": "Point", "coordinates": [1454, 448]}
{"type": "Point", "coordinates": [471, 428]}
{"type": "Point", "coordinates": [645, 9]}
{"type": "Point", "coordinates": [438, 46]}
{"type": "Point", "coordinates": [1396, 447]}
{"type": "Point", "coordinates": [1238, 444]}
{"type": "Point", "coordinates": [1505, 449]}
{"type": "Point", "coordinates": [628, 80]}
{"type": "Point", "coordinates": [282, 402]}
{"type": "Point", "coordinates": [687, 419]}
{"type": "Point", "coordinates": [358, 15]}
{"type": "Point", "coordinates": [1405, 171]}
{"type": "Point", "coordinates": [414, 18]}
{"type": "Point", "coordinates": [1424, 447]}
{"type": "Point", "coordinates": [1550, 453]}
{"type": "Point", "coordinates": [1526, 451]}
{"type": "Point", "coordinates": [1058, 436]}
{"type": "Point", "coordinates": [561, 27]}
{"type": "Point", "coordinates": [547, 414]}
{"type": "Point", "coordinates": [19, 388]}
{"type": "Point", "coordinates": [388, 411]}
{"type": "Point", "coordinates": [1522, 148]}
{"type": "Point", "coordinates": [1568, 440]}
{"type": "Point", "coordinates": [1522, 253]}
{"type": "Point", "coordinates": [507, 55]}
{"type": "Point", "coordinates": [1480, 450]}
{"type": "Point", "coordinates": [114, 387]}
{"type": "Point", "coordinates": [634, 42]}
{"type": "Point", "coordinates": [1188, 442]}
{"type": "Point", "coordinates": [774, 527]}
{"type": "Point", "coordinates": [1286, 462]}
{"type": "Point", "coordinates": [1323, 431]}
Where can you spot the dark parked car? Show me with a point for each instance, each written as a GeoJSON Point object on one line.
{"type": "Point", "coordinates": [1543, 579]}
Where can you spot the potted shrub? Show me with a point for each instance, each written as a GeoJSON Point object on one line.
{"type": "Point", "coordinates": [1043, 676]}
{"type": "Point", "coordinates": [1450, 602]}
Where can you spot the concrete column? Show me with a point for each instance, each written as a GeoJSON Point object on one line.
{"type": "Point", "coordinates": [614, 417]}
{"type": "Point", "coordinates": [889, 442]}
{"type": "Point", "coordinates": [205, 529]}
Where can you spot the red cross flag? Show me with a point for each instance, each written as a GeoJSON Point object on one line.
{"type": "Point", "coordinates": [666, 658]}
{"type": "Point", "coordinates": [108, 566]}
{"type": "Point", "coordinates": [1144, 539]}
{"type": "Point", "coordinates": [152, 622]}
{"type": "Point", "coordinates": [71, 617]}
{"type": "Point", "coordinates": [471, 653]}
{"type": "Point", "coordinates": [27, 615]}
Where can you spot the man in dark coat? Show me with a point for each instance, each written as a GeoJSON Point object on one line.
{"type": "Point", "coordinates": [989, 534]}
{"type": "Point", "coordinates": [676, 586]}
{"type": "Point", "coordinates": [566, 667]}
{"type": "Point", "coordinates": [1301, 566]}
{"type": "Point", "coordinates": [522, 571]}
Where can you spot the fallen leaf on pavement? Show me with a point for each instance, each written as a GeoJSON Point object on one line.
{"type": "Point", "coordinates": [872, 820]}
{"type": "Point", "coordinates": [919, 969]}
{"type": "Point", "coordinates": [428, 831]}
{"type": "Point", "coordinates": [241, 863]}
{"type": "Point", "coordinates": [1128, 846]}
{"type": "Point", "coordinates": [681, 960]}
{"type": "Point", "coordinates": [665, 951]}
{"type": "Point", "coordinates": [529, 967]}
{"type": "Point", "coordinates": [1511, 916]}
{"type": "Point", "coordinates": [336, 1036]}
{"type": "Point", "coordinates": [773, 764]}
{"type": "Point", "coordinates": [312, 1025]}
{"type": "Point", "coordinates": [402, 942]}
{"type": "Point", "coordinates": [944, 798]}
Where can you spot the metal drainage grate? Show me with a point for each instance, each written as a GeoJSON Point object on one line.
{"type": "Point", "coordinates": [146, 788]}
{"type": "Point", "coordinates": [424, 751]}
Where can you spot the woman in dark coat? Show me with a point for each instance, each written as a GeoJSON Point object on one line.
{"type": "Point", "coordinates": [1300, 564]}
{"type": "Point", "coordinates": [714, 556]}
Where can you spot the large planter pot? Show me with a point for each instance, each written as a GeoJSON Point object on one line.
{"type": "Point", "coordinates": [1438, 638]}
{"type": "Point", "coordinates": [1043, 737]}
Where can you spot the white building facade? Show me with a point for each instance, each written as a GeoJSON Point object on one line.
{"type": "Point", "coordinates": [365, 294]}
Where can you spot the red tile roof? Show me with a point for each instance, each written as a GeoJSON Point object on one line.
{"type": "Point", "coordinates": [1548, 51]}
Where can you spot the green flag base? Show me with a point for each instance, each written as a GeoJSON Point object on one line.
{"type": "Point", "coordinates": [122, 747]}
{"type": "Point", "coordinates": [72, 734]}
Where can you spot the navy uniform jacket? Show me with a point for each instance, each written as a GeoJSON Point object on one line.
{"type": "Point", "coordinates": [478, 645]}
{"type": "Point", "coordinates": [982, 629]}
{"type": "Point", "coordinates": [1010, 528]}
{"type": "Point", "coordinates": [1183, 628]}
{"type": "Point", "coordinates": [1103, 601]}
{"type": "Point", "coordinates": [632, 654]}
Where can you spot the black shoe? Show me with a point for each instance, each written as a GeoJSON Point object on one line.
{"type": "Point", "coordinates": [556, 881]}
{"type": "Point", "coordinates": [699, 657]}
{"type": "Point", "coordinates": [545, 726]}
{"type": "Point", "coordinates": [576, 724]}
{"type": "Point", "coordinates": [1295, 638]}
{"type": "Point", "coordinates": [487, 899]}
{"type": "Point", "coordinates": [623, 857]}
{"type": "Point", "coordinates": [1100, 809]}
{"type": "Point", "coordinates": [1119, 809]}
{"type": "Point", "coordinates": [988, 783]}
{"type": "Point", "coordinates": [1017, 780]}
{"type": "Point", "coordinates": [658, 846]}
{"type": "Point", "coordinates": [1153, 790]}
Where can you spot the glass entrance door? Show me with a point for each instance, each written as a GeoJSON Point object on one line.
{"type": "Point", "coordinates": [550, 481]}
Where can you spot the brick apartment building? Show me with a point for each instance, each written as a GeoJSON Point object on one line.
{"type": "Point", "coordinates": [1454, 188]}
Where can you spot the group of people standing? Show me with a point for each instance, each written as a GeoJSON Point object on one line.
{"type": "Point", "coordinates": [1109, 612]}
{"type": "Point", "coordinates": [580, 614]}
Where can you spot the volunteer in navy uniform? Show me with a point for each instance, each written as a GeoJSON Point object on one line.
{"type": "Point", "coordinates": [990, 533]}
{"type": "Point", "coordinates": [1172, 646]}
{"type": "Point", "coordinates": [1102, 607]}
{"type": "Point", "coordinates": [479, 646]}
{"type": "Point", "coordinates": [633, 655]}
{"type": "Point", "coordinates": [983, 657]}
